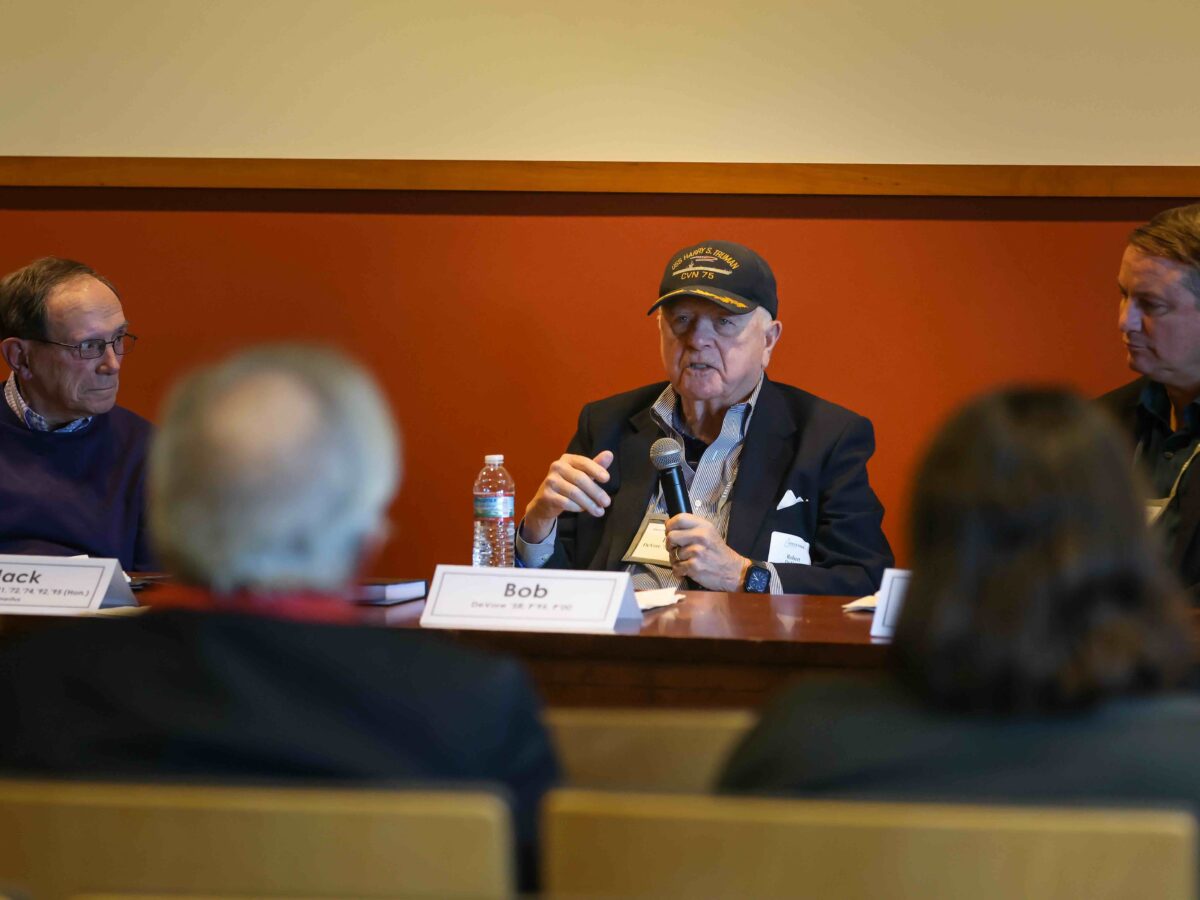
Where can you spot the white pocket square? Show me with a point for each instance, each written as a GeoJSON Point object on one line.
{"type": "Point", "coordinates": [789, 499]}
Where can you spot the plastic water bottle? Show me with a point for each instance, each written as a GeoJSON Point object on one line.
{"type": "Point", "coordinates": [495, 500]}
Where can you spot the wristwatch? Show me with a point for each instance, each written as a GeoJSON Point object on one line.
{"type": "Point", "coordinates": [758, 578]}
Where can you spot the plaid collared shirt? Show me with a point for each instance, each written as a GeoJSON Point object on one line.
{"type": "Point", "coordinates": [33, 421]}
{"type": "Point", "coordinates": [709, 485]}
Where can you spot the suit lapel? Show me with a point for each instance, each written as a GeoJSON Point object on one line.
{"type": "Point", "coordinates": [637, 481]}
{"type": "Point", "coordinates": [762, 468]}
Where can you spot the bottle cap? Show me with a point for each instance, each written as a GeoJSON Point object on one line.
{"type": "Point", "coordinates": [493, 459]}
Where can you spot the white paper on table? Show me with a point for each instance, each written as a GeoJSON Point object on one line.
{"type": "Point", "coordinates": [862, 604]}
{"type": "Point", "coordinates": [656, 598]}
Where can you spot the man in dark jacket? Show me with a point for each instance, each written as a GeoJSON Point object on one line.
{"type": "Point", "coordinates": [1159, 281]}
{"type": "Point", "coordinates": [269, 483]}
{"type": "Point", "coordinates": [776, 477]}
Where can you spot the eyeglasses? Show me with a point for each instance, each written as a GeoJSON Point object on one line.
{"type": "Point", "coordinates": [95, 348]}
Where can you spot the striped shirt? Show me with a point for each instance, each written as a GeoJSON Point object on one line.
{"type": "Point", "coordinates": [33, 421]}
{"type": "Point", "coordinates": [709, 486]}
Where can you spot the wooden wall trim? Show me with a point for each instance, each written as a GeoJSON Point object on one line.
{"type": "Point", "coordinates": [603, 177]}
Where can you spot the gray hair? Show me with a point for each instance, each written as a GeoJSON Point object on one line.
{"type": "Point", "coordinates": [23, 294]}
{"type": "Point", "coordinates": [271, 471]}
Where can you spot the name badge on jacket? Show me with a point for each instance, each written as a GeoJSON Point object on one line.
{"type": "Point", "coordinates": [788, 548]}
{"type": "Point", "coordinates": [649, 547]}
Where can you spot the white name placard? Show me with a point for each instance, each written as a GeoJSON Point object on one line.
{"type": "Point", "coordinates": [891, 599]}
{"type": "Point", "coordinates": [60, 586]}
{"type": "Point", "coordinates": [529, 599]}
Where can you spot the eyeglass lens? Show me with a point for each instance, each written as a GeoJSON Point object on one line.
{"type": "Point", "coordinates": [94, 349]}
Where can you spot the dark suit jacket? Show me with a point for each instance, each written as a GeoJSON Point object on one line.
{"type": "Point", "coordinates": [868, 738]}
{"type": "Point", "coordinates": [796, 441]}
{"type": "Point", "coordinates": [1185, 555]}
{"type": "Point", "coordinates": [203, 693]}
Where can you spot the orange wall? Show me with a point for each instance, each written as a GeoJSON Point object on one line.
{"type": "Point", "coordinates": [491, 318]}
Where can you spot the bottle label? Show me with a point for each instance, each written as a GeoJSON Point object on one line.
{"type": "Point", "coordinates": [495, 506]}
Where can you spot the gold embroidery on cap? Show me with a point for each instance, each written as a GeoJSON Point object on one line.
{"type": "Point", "coordinates": [703, 293]}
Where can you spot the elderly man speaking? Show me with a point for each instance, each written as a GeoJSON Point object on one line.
{"type": "Point", "coordinates": [776, 477]}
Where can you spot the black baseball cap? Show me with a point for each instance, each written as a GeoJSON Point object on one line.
{"type": "Point", "coordinates": [723, 272]}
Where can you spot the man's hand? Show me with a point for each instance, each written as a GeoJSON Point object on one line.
{"type": "Point", "coordinates": [698, 552]}
{"type": "Point", "coordinates": [571, 485]}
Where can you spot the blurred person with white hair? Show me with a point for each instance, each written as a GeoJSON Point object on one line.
{"type": "Point", "coordinates": [269, 483]}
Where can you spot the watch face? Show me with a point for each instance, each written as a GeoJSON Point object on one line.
{"type": "Point", "coordinates": [758, 580]}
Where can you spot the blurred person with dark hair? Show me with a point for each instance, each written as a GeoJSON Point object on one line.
{"type": "Point", "coordinates": [72, 462]}
{"type": "Point", "coordinates": [270, 481]}
{"type": "Point", "coordinates": [1159, 281]}
{"type": "Point", "coordinates": [1038, 646]}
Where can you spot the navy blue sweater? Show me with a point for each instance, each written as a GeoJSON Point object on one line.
{"type": "Point", "coordinates": [82, 492]}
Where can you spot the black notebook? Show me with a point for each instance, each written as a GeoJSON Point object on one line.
{"type": "Point", "coordinates": [386, 592]}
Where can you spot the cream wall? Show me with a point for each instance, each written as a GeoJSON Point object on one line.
{"type": "Point", "coordinates": [926, 81]}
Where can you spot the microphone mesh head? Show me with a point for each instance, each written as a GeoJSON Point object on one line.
{"type": "Point", "coordinates": [665, 453]}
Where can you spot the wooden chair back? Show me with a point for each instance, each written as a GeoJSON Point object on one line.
{"type": "Point", "coordinates": [60, 839]}
{"type": "Point", "coordinates": [621, 845]}
{"type": "Point", "coordinates": [645, 749]}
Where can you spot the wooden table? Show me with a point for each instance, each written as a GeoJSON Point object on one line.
{"type": "Point", "coordinates": [711, 649]}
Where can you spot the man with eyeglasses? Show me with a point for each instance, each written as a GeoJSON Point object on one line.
{"type": "Point", "coordinates": [72, 462]}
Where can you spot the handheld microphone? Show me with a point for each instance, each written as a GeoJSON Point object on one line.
{"type": "Point", "coordinates": [667, 457]}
